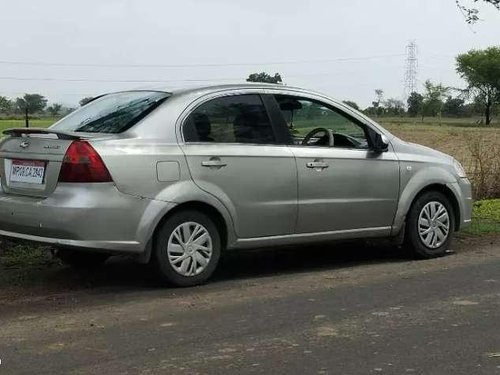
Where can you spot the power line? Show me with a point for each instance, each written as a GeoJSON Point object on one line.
{"type": "Point", "coordinates": [117, 80]}
{"type": "Point", "coordinates": [9, 93]}
{"type": "Point", "coordinates": [106, 80]}
{"type": "Point", "coordinates": [291, 62]}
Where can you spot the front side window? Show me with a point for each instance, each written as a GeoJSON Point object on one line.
{"type": "Point", "coordinates": [312, 123]}
{"type": "Point", "coordinates": [230, 119]}
{"type": "Point", "coordinates": [112, 113]}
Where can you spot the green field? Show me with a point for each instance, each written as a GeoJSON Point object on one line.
{"type": "Point", "coordinates": [35, 123]}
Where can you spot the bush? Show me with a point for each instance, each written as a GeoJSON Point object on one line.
{"type": "Point", "coordinates": [484, 165]}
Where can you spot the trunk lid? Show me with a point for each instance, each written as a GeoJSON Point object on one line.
{"type": "Point", "coordinates": [31, 159]}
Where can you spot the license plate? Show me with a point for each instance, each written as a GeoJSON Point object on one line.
{"type": "Point", "coordinates": [29, 171]}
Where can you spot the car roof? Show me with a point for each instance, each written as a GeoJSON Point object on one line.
{"type": "Point", "coordinates": [201, 90]}
{"type": "Point", "coordinates": [226, 86]}
{"type": "Point", "coordinates": [207, 88]}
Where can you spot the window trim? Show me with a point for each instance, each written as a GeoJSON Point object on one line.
{"type": "Point", "coordinates": [219, 95]}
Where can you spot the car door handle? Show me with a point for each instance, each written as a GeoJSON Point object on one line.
{"type": "Point", "coordinates": [213, 163]}
{"type": "Point", "coordinates": [317, 165]}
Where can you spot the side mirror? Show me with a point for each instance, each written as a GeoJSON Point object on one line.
{"type": "Point", "coordinates": [380, 143]}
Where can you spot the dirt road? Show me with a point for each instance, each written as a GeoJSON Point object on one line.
{"type": "Point", "coordinates": [348, 309]}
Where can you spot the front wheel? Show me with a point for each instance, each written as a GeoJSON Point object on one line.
{"type": "Point", "coordinates": [429, 226]}
{"type": "Point", "coordinates": [187, 249]}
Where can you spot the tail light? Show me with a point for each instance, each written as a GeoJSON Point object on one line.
{"type": "Point", "coordinates": [82, 163]}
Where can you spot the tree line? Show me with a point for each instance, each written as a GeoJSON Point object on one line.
{"type": "Point", "coordinates": [34, 104]}
{"type": "Point", "coordinates": [31, 104]}
{"type": "Point", "coordinates": [480, 69]}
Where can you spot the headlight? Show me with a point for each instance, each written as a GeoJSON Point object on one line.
{"type": "Point", "coordinates": [459, 169]}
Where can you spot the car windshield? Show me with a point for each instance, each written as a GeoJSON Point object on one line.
{"type": "Point", "coordinates": [112, 113]}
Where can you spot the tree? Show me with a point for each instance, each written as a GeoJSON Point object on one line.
{"type": "Point", "coordinates": [394, 107]}
{"type": "Point", "coordinates": [433, 99]}
{"type": "Point", "coordinates": [54, 109]}
{"type": "Point", "coordinates": [5, 105]}
{"type": "Point", "coordinates": [376, 104]}
{"type": "Point", "coordinates": [472, 14]}
{"type": "Point", "coordinates": [351, 104]}
{"type": "Point", "coordinates": [454, 107]}
{"type": "Point", "coordinates": [380, 94]}
{"type": "Point", "coordinates": [481, 70]}
{"type": "Point", "coordinates": [30, 103]}
{"type": "Point", "coordinates": [85, 100]}
{"type": "Point", "coordinates": [264, 77]}
{"type": "Point", "coordinates": [415, 104]}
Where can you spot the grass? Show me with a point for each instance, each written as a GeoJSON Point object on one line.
{"type": "Point", "coordinates": [15, 254]}
{"type": "Point", "coordinates": [465, 122]}
{"type": "Point", "coordinates": [21, 263]}
{"type": "Point", "coordinates": [485, 217]}
{"type": "Point", "coordinates": [35, 123]}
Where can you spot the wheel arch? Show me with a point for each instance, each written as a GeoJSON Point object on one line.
{"type": "Point", "coordinates": [434, 186]}
{"type": "Point", "coordinates": [220, 221]}
{"type": "Point", "coordinates": [434, 177]}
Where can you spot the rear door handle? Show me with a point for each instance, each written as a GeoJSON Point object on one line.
{"type": "Point", "coordinates": [213, 162]}
{"type": "Point", "coordinates": [317, 165]}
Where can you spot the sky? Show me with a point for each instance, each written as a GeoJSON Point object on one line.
{"type": "Point", "coordinates": [67, 50]}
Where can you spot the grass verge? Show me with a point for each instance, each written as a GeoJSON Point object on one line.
{"type": "Point", "coordinates": [24, 254]}
{"type": "Point", "coordinates": [485, 217]}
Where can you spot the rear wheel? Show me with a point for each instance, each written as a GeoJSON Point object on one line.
{"type": "Point", "coordinates": [187, 249]}
{"type": "Point", "coordinates": [430, 225]}
{"type": "Point", "coordinates": [82, 259]}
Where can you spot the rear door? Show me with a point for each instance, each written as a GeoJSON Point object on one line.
{"type": "Point", "coordinates": [235, 154]}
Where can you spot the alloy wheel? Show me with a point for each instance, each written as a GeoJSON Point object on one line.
{"type": "Point", "coordinates": [189, 249]}
{"type": "Point", "coordinates": [433, 224]}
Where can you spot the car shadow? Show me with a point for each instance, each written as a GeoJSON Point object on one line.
{"type": "Point", "coordinates": [303, 259]}
{"type": "Point", "coordinates": [123, 275]}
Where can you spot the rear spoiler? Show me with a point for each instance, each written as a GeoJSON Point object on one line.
{"type": "Point", "coordinates": [19, 132]}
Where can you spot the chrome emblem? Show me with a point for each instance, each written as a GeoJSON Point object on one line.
{"type": "Point", "coordinates": [24, 144]}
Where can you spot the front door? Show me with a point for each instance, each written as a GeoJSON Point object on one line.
{"type": "Point", "coordinates": [233, 153]}
{"type": "Point", "coordinates": [342, 184]}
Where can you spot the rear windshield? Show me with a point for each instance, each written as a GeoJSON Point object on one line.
{"type": "Point", "coordinates": [112, 113]}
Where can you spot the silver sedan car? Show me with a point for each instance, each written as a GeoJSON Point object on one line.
{"type": "Point", "coordinates": [177, 178]}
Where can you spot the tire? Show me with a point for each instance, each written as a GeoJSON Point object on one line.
{"type": "Point", "coordinates": [82, 259]}
{"type": "Point", "coordinates": [424, 238]}
{"type": "Point", "coordinates": [186, 249]}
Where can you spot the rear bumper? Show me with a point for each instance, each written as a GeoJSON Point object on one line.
{"type": "Point", "coordinates": [463, 191]}
{"type": "Point", "coordinates": [87, 216]}
{"type": "Point", "coordinates": [113, 246]}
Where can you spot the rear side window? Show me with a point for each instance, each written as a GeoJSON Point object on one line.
{"type": "Point", "coordinates": [113, 113]}
{"type": "Point", "coordinates": [231, 119]}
